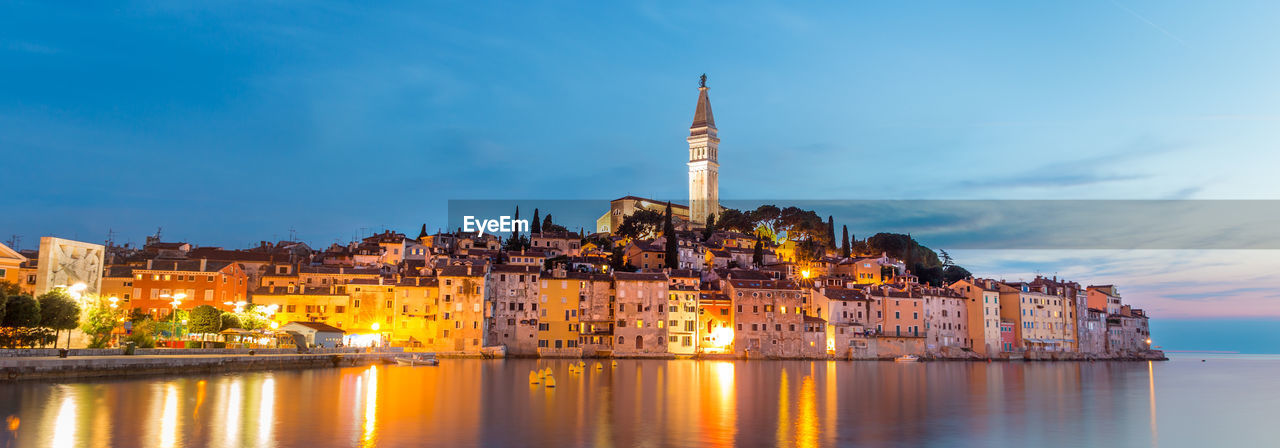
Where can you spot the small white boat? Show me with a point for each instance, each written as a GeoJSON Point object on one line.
{"type": "Point", "coordinates": [907, 358]}
{"type": "Point", "coordinates": [417, 360]}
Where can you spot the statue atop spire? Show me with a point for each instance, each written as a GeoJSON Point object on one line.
{"type": "Point", "coordinates": [702, 80]}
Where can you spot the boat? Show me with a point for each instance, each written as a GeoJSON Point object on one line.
{"type": "Point", "coordinates": [907, 358]}
{"type": "Point", "coordinates": [417, 360]}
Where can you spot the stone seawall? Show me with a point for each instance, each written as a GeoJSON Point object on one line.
{"type": "Point", "coordinates": [37, 352]}
{"type": "Point", "coordinates": [46, 368]}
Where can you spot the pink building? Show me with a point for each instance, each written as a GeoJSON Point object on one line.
{"type": "Point", "coordinates": [1008, 339]}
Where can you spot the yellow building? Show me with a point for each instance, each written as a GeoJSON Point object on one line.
{"type": "Point", "coordinates": [327, 305]}
{"type": "Point", "coordinates": [863, 270]}
{"type": "Point", "coordinates": [417, 303]}
{"type": "Point", "coordinates": [561, 297]}
{"type": "Point", "coordinates": [462, 309]}
{"type": "Point", "coordinates": [10, 265]}
{"type": "Point", "coordinates": [1038, 316]}
{"type": "Point", "coordinates": [682, 319]}
{"type": "Point", "coordinates": [117, 282]}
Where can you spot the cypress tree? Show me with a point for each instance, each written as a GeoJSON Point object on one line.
{"type": "Point", "coordinates": [515, 233]}
{"type": "Point", "coordinates": [669, 231]}
{"type": "Point", "coordinates": [831, 232]}
{"type": "Point", "coordinates": [844, 244]}
{"type": "Point", "coordinates": [422, 233]}
{"type": "Point", "coordinates": [537, 225]}
{"type": "Point", "coordinates": [546, 223]}
{"type": "Point", "coordinates": [711, 226]}
{"type": "Point", "coordinates": [757, 256]}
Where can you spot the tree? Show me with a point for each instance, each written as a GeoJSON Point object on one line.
{"type": "Point", "coordinates": [844, 243]}
{"type": "Point", "coordinates": [954, 273]}
{"type": "Point", "coordinates": [537, 225]}
{"type": "Point", "coordinates": [253, 317]}
{"type": "Point", "coordinates": [736, 221]}
{"type": "Point", "coordinates": [22, 311]}
{"type": "Point", "coordinates": [58, 311]}
{"type": "Point", "coordinates": [711, 226]}
{"type": "Point", "coordinates": [515, 232]}
{"type": "Point", "coordinates": [144, 333]}
{"type": "Point", "coordinates": [100, 320]}
{"type": "Point", "coordinates": [22, 322]}
{"type": "Point", "coordinates": [757, 255]}
{"type": "Point", "coordinates": [551, 227]}
{"type": "Point", "coordinates": [422, 233]}
{"type": "Point", "coordinates": [642, 224]}
{"type": "Point", "coordinates": [945, 258]}
{"type": "Point", "coordinates": [767, 216]}
{"type": "Point", "coordinates": [669, 233]}
{"type": "Point", "coordinates": [229, 321]}
{"type": "Point", "coordinates": [831, 232]}
{"type": "Point", "coordinates": [205, 319]}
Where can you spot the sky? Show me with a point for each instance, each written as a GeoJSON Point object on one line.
{"type": "Point", "coordinates": [227, 123]}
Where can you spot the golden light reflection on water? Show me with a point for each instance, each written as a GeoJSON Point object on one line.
{"type": "Point", "coordinates": [784, 412]}
{"type": "Point", "coordinates": [807, 421]}
{"type": "Point", "coordinates": [638, 403]}
{"type": "Point", "coordinates": [169, 418]}
{"type": "Point", "coordinates": [1151, 391]}
{"type": "Point", "coordinates": [371, 407]}
{"type": "Point", "coordinates": [267, 411]}
{"type": "Point", "coordinates": [234, 403]}
{"type": "Point", "coordinates": [64, 428]}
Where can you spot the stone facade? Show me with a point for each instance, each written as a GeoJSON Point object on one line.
{"type": "Point", "coordinates": [641, 313]}
{"type": "Point", "coordinates": [513, 321]}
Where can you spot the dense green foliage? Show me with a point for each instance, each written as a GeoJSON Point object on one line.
{"type": "Point", "coordinates": [58, 311]}
{"type": "Point", "coordinates": [100, 320]}
{"type": "Point", "coordinates": [643, 224]}
{"type": "Point", "coordinates": [205, 319]}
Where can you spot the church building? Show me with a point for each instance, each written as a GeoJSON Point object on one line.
{"type": "Point", "coordinates": [704, 176]}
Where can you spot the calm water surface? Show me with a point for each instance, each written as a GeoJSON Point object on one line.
{"type": "Point", "coordinates": [1184, 402]}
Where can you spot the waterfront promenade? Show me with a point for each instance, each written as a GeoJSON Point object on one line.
{"type": "Point", "coordinates": [19, 368]}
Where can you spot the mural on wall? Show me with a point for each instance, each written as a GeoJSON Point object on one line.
{"type": "Point", "coordinates": [66, 262]}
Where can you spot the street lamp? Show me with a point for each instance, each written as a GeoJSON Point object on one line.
{"type": "Point", "coordinates": [173, 320]}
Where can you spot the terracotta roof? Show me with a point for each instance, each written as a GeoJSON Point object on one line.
{"type": "Point", "coordinates": [845, 294]}
{"type": "Point", "coordinates": [764, 284]}
{"type": "Point", "coordinates": [463, 271]}
{"type": "Point", "coordinates": [521, 269]}
{"type": "Point", "coordinates": [185, 266]}
{"type": "Point", "coordinates": [639, 276]}
{"type": "Point", "coordinates": [318, 326]}
{"type": "Point", "coordinates": [119, 271]}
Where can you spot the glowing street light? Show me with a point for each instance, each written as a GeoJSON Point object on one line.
{"type": "Point", "coordinates": [804, 274]}
{"type": "Point", "coordinates": [177, 301]}
{"type": "Point", "coordinates": [375, 326]}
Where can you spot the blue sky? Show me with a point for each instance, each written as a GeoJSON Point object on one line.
{"type": "Point", "coordinates": [228, 123]}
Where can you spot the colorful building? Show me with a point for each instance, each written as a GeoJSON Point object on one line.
{"type": "Point", "coordinates": [641, 311]}
{"type": "Point", "coordinates": [217, 283]}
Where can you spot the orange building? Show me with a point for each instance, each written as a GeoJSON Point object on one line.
{"type": "Point", "coordinates": [203, 282]}
{"type": "Point", "coordinates": [898, 313]}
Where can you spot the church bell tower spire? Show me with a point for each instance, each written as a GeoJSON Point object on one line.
{"type": "Point", "coordinates": [704, 170]}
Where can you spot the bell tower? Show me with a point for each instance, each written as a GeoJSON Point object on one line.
{"type": "Point", "coordinates": [704, 170]}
